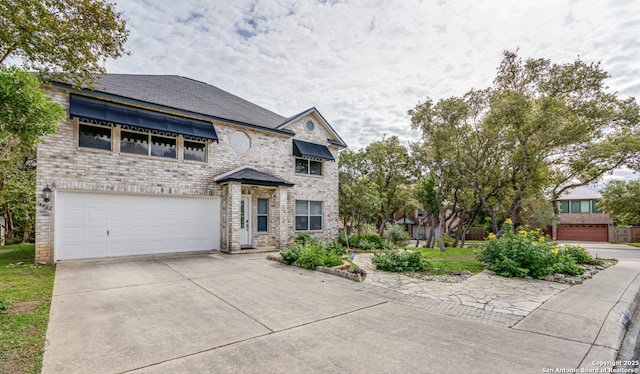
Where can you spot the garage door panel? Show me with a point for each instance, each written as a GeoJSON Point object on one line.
{"type": "Point", "coordinates": [97, 215]}
{"type": "Point", "coordinates": [582, 232]}
{"type": "Point", "coordinates": [137, 224]}
{"type": "Point", "coordinates": [97, 249]}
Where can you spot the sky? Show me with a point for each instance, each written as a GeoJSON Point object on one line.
{"type": "Point", "coordinates": [364, 63]}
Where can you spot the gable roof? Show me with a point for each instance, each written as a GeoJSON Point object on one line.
{"type": "Point", "coordinates": [338, 142]}
{"type": "Point", "coordinates": [581, 193]}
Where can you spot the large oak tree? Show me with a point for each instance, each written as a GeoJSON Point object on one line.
{"type": "Point", "coordinates": [539, 127]}
{"type": "Point", "coordinates": [67, 40]}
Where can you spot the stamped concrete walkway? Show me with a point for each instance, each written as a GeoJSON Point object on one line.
{"type": "Point", "coordinates": [484, 297]}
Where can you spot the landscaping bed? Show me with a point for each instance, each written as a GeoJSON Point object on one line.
{"type": "Point", "coordinates": [25, 299]}
{"type": "Point", "coordinates": [310, 253]}
{"type": "Point", "coordinates": [340, 270]}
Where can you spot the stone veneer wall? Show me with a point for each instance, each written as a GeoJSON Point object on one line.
{"type": "Point", "coordinates": [61, 165]}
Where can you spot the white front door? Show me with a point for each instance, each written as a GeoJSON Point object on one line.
{"type": "Point", "coordinates": [245, 221]}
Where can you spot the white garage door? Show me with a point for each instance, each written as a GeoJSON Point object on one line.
{"type": "Point", "coordinates": [91, 225]}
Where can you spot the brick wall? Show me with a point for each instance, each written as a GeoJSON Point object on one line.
{"type": "Point", "coordinates": [63, 166]}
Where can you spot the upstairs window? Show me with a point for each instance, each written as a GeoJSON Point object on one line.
{"type": "Point", "coordinates": [163, 147]}
{"type": "Point", "coordinates": [580, 206]}
{"type": "Point", "coordinates": [195, 151]}
{"type": "Point", "coordinates": [564, 207]}
{"type": "Point", "coordinates": [97, 137]}
{"type": "Point", "coordinates": [310, 167]}
{"type": "Point", "coordinates": [134, 142]}
{"type": "Point", "coordinates": [595, 207]}
{"type": "Point", "coordinates": [147, 144]}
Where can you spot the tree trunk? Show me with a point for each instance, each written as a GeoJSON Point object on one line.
{"type": "Point", "coordinates": [8, 224]}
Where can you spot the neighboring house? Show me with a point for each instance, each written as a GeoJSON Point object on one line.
{"type": "Point", "coordinates": [154, 164]}
{"type": "Point", "coordinates": [418, 223]}
{"type": "Point", "coordinates": [580, 217]}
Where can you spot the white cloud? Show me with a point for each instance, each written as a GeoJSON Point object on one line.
{"type": "Point", "coordinates": [363, 64]}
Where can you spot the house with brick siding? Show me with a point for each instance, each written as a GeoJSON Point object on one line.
{"type": "Point", "coordinates": [148, 164]}
{"type": "Point", "coordinates": [581, 218]}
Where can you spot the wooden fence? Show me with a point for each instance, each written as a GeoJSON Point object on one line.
{"type": "Point", "coordinates": [476, 233]}
{"type": "Point", "coordinates": [626, 234]}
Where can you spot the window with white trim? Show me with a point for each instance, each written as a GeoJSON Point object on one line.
{"type": "Point", "coordinates": [308, 215]}
{"type": "Point", "coordinates": [263, 214]}
{"type": "Point", "coordinates": [310, 167]}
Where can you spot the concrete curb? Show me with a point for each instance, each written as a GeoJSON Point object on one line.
{"type": "Point", "coordinates": [613, 330]}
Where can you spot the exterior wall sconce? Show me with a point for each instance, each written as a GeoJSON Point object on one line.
{"type": "Point", "coordinates": [46, 194]}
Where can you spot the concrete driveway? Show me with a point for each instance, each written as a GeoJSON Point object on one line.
{"type": "Point", "coordinates": [229, 314]}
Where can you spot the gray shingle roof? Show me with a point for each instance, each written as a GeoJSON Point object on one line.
{"type": "Point", "coordinates": [253, 176]}
{"type": "Point", "coordinates": [187, 94]}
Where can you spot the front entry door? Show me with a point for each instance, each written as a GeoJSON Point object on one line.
{"type": "Point", "coordinates": [245, 221]}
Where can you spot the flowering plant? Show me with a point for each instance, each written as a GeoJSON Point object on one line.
{"type": "Point", "coordinates": [526, 252]}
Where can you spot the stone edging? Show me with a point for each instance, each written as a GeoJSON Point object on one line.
{"type": "Point", "coordinates": [589, 272]}
{"type": "Point", "coordinates": [337, 270]}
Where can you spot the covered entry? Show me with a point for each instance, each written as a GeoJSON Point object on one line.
{"type": "Point", "coordinates": [254, 210]}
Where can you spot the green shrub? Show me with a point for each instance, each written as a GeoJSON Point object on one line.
{"type": "Point", "coordinates": [399, 262]}
{"type": "Point", "coordinates": [448, 240]}
{"type": "Point", "coordinates": [577, 253]}
{"type": "Point", "coordinates": [312, 253]}
{"type": "Point", "coordinates": [342, 238]}
{"type": "Point", "coordinates": [332, 247]}
{"type": "Point", "coordinates": [311, 256]}
{"type": "Point", "coordinates": [332, 259]}
{"type": "Point", "coordinates": [366, 245]}
{"type": "Point", "coordinates": [397, 235]}
{"type": "Point", "coordinates": [375, 240]}
{"type": "Point", "coordinates": [291, 254]}
{"type": "Point", "coordinates": [305, 238]}
{"type": "Point", "coordinates": [527, 252]}
{"type": "Point", "coordinates": [354, 241]}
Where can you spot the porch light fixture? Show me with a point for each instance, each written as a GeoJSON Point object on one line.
{"type": "Point", "coordinates": [46, 194]}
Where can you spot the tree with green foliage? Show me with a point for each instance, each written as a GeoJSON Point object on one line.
{"type": "Point", "coordinates": [67, 40]}
{"type": "Point", "coordinates": [621, 200]}
{"type": "Point", "coordinates": [26, 114]}
{"type": "Point", "coordinates": [358, 200]}
{"type": "Point", "coordinates": [566, 128]}
{"type": "Point", "coordinates": [388, 163]}
{"type": "Point", "coordinates": [540, 127]}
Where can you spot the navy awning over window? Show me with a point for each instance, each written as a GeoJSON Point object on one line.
{"type": "Point", "coordinates": [311, 150]}
{"type": "Point", "coordinates": [110, 114]}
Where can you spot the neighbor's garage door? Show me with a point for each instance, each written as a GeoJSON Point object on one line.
{"type": "Point", "coordinates": [591, 233]}
{"type": "Point", "coordinates": [90, 225]}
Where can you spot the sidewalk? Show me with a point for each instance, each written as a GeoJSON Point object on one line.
{"type": "Point", "coordinates": [596, 312]}
{"type": "Point", "coordinates": [485, 297]}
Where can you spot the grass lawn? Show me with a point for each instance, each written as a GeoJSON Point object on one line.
{"type": "Point", "coordinates": [23, 328]}
{"type": "Point", "coordinates": [453, 259]}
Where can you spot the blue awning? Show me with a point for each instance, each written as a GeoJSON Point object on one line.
{"type": "Point", "coordinates": [110, 114]}
{"type": "Point", "coordinates": [311, 150]}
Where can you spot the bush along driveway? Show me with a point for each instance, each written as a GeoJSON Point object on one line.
{"type": "Point", "coordinates": [310, 253]}
{"type": "Point", "coordinates": [25, 298]}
